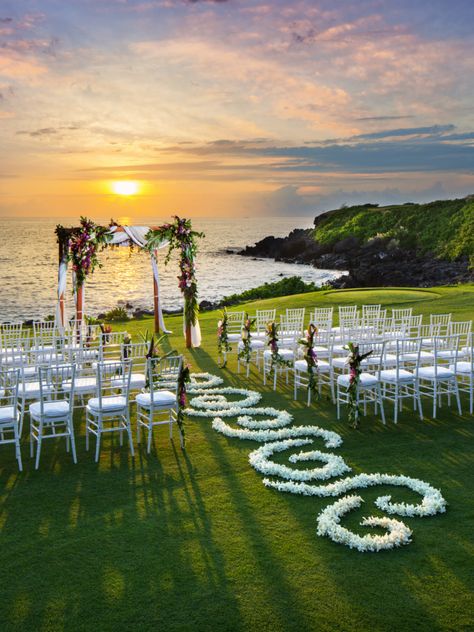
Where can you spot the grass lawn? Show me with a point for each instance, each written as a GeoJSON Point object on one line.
{"type": "Point", "coordinates": [194, 541]}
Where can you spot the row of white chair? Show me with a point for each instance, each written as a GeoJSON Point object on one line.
{"type": "Point", "coordinates": [52, 403]}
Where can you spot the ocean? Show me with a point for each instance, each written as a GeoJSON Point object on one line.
{"type": "Point", "coordinates": [28, 266]}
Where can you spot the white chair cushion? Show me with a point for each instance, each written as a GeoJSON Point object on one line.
{"type": "Point", "coordinates": [448, 354]}
{"type": "Point", "coordinates": [366, 380]}
{"type": "Point", "coordinates": [425, 356]}
{"type": "Point", "coordinates": [467, 351]}
{"type": "Point", "coordinates": [7, 414]}
{"type": "Point", "coordinates": [51, 409]}
{"type": "Point", "coordinates": [301, 365]}
{"type": "Point", "coordinates": [234, 337]}
{"type": "Point", "coordinates": [286, 354]}
{"type": "Point", "coordinates": [110, 404]}
{"type": "Point", "coordinates": [390, 375]}
{"type": "Point", "coordinates": [160, 398]}
{"type": "Point", "coordinates": [81, 385]}
{"type": "Point", "coordinates": [254, 344]}
{"type": "Point", "coordinates": [462, 367]}
{"type": "Point", "coordinates": [339, 363]}
{"type": "Point", "coordinates": [31, 390]}
{"type": "Point", "coordinates": [428, 373]}
{"type": "Point", "coordinates": [137, 380]}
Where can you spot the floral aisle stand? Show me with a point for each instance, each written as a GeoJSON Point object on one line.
{"type": "Point", "coordinates": [276, 359]}
{"type": "Point", "coordinates": [223, 346]}
{"type": "Point", "coordinates": [183, 380]}
{"type": "Point", "coordinates": [311, 360]}
{"type": "Point", "coordinates": [183, 238]}
{"type": "Point", "coordinates": [245, 351]}
{"type": "Point", "coordinates": [354, 360]}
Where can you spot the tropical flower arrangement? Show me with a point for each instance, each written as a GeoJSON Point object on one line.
{"type": "Point", "coordinates": [127, 341]}
{"type": "Point", "coordinates": [311, 359]}
{"type": "Point", "coordinates": [183, 380]}
{"type": "Point", "coordinates": [274, 429]}
{"type": "Point", "coordinates": [354, 360]}
{"type": "Point", "coordinates": [106, 330]}
{"type": "Point", "coordinates": [223, 346]}
{"type": "Point", "coordinates": [183, 238]}
{"type": "Point", "coordinates": [246, 349]}
{"type": "Point", "coordinates": [272, 337]}
{"type": "Point", "coordinates": [83, 246]}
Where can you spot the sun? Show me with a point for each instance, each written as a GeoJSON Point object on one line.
{"type": "Point", "coordinates": [125, 187]}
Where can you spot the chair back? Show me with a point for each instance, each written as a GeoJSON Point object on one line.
{"type": "Point", "coordinates": [9, 383]}
{"type": "Point", "coordinates": [322, 317]}
{"type": "Point", "coordinates": [235, 322]}
{"type": "Point", "coordinates": [135, 352]}
{"type": "Point", "coordinates": [402, 314]}
{"type": "Point", "coordinates": [404, 348]}
{"type": "Point", "coordinates": [442, 345]}
{"type": "Point", "coordinates": [57, 383]}
{"type": "Point", "coordinates": [442, 321]}
{"type": "Point", "coordinates": [348, 316]}
{"type": "Point", "coordinates": [462, 329]}
{"type": "Point", "coordinates": [109, 375]}
{"type": "Point", "coordinates": [263, 317]}
{"type": "Point", "coordinates": [110, 345]}
{"type": "Point", "coordinates": [11, 329]}
{"type": "Point", "coordinates": [163, 373]}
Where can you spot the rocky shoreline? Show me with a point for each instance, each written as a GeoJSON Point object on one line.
{"type": "Point", "coordinates": [379, 262]}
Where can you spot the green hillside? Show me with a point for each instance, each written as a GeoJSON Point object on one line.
{"type": "Point", "coordinates": [444, 227]}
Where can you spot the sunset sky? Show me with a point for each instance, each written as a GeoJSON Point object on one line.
{"type": "Point", "coordinates": [233, 107]}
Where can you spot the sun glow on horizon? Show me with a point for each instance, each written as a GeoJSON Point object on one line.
{"type": "Point", "coordinates": [125, 187]}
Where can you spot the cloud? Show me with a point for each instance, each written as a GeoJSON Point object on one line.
{"type": "Point", "coordinates": [385, 118]}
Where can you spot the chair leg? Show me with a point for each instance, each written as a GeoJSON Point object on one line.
{"type": "Point", "coordinates": [73, 441]}
{"type": "Point", "coordinates": [150, 435]}
{"type": "Point", "coordinates": [129, 433]}
{"type": "Point", "coordinates": [99, 435]}
{"type": "Point", "coordinates": [38, 448]}
{"type": "Point", "coordinates": [456, 392]}
{"type": "Point", "coordinates": [395, 410]}
{"type": "Point", "coordinates": [17, 447]}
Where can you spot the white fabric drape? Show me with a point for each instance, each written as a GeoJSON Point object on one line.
{"type": "Point", "coordinates": [61, 319]}
{"type": "Point", "coordinates": [156, 276]}
{"type": "Point", "coordinates": [195, 333]}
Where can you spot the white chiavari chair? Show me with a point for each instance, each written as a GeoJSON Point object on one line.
{"type": "Point", "coordinates": [159, 406]}
{"type": "Point", "coordinates": [369, 388]}
{"type": "Point", "coordinates": [9, 413]}
{"type": "Point", "coordinates": [109, 412]}
{"type": "Point", "coordinates": [136, 352]}
{"type": "Point", "coordinates": [52, 416]}
{"type": "Point", "coordinates": [401, 381]}
{"type": "Point", "coordinates": [438, 379]}
{"type": "Point", "coordinates": [464, 370]}
{"type": "Point", "coordinates": [322, 318]}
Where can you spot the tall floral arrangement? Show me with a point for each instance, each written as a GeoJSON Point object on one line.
{"type": "Point", "coordinates": [223, 345]}
{"type": "Point", "coordinates": [272, 340]}
{"type": "Point", "coordinates": [354, 360]}
{"type": "Point", "coordinates": [183, 379]}
{"type": "Point", "coordinates": [311, 358]}
{"type": "Point", "coordinates": [83, 245]}
{"type": "Point", "coordinates": [246, 349]}
{"type": "Point", "coordinates": [183, 238]}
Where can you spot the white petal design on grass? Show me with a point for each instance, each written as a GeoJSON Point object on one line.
{"type": "Point", "coordinates": [275, 431]}
{"type": "Point", "coordinates": [329, 525]}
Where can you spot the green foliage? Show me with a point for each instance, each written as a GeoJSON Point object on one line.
{"type": "Point", "coordinates": [116, 314]}
{"type": "Point", "coordinates": [285, 287]}
{"type": "Point", "coordinates": [444, 227]}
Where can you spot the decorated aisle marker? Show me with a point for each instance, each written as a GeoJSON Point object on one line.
{"type": "Point", "coordinates": [275, 431]}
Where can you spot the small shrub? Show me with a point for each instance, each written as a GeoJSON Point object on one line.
{"type": "Point", "coordinates": [118, 313]}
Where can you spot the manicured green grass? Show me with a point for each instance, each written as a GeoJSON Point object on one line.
{"type": "Point", "coordinates": [193, 540]}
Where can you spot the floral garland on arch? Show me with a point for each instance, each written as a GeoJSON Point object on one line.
{"type": "Point", "coordinates": [223, 346]}
{"type": "Point", "coordinates": [311, 359]}
{"type": "Point", "coordinates": [246, 347]}
{"type": "Point", "coordinates": [272, 337]}
{"type": "Point", "coordinates": [274, 429]}
{"type": "Point", "coordinates": [183, 238]}
{"type": "Point", "coordinates": [83, 245]}
{"type": "Point", "coordinates": [354, 360]}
